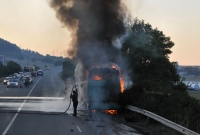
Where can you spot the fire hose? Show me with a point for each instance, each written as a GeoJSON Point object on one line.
{"type": "Point", "coordinates": [70, 99]}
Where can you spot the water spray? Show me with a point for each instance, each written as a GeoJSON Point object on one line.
{"type": "Point", "coordinates": [70, 98]}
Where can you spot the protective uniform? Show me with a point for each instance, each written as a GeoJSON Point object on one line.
{"type": "Point", "coordinates": [74, 97]}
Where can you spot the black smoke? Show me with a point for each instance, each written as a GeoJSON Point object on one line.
{"type": "Point", "coordinates": [94, 24]}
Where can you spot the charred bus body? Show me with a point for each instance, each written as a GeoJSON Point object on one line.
{"type": "Point", "coordinates": [103, 89]}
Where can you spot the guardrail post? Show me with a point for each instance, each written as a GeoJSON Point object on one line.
{"type": "Point", "coordinates": [147, 120]}
{"type": "Point", "coordinates": [164, 127]}
{"type": "Point", "coordinates": [126, 110]}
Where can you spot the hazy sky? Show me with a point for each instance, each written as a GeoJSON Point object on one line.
{"type": "Point", "coordinates": [32, 24]}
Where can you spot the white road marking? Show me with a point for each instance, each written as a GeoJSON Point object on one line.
{"type": "Point", "coordinates": [6, 130]}
{"type": "Point", "coordinates": [13, 119]}
{"type": "Point", "coordinates": [78, 129]}
{"type": "Point", "coordinates": [35, 98]}
{"type": "Point", "coordinates": [52, 82]}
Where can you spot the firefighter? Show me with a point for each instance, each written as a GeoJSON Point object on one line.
{"type": "Point", "coordinates": [74, 98]}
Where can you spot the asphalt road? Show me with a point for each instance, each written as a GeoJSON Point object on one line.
{"type": "Point", "coordinates": [39, 110]}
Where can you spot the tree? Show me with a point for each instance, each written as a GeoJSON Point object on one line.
{"type": "Point", "coordinates": [12, 67]}
{"type": "Point", "coordinates": [2, 70]}
{"type": "Point", "coordinates": [157, 86]}
{"type": "Point", "coordinates": [68, 69]}
{"type": "Point", "coordinates": [58, 63]}
{"type": "Point", "coordinates": [147, 50]}
{"type": "Point", "coordinates": [47, 60]}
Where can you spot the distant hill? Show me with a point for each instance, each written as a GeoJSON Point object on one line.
{"type": "Point", "coordinates": [13, 52]}
{"type": "Point", "coordinates": [7, 47]}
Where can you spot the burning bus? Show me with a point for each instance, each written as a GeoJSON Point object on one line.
{"type": "Point", "coordinates": [96, 40]}
{"type": "Point", "coordinates": [103, 89]}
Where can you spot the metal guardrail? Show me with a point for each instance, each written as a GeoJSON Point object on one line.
{"type": "Point", "coordinates": [162, 120]}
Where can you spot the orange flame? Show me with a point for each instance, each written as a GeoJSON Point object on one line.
{"type": "Point", "coordinates": [111, 111]}
{"type": "Point", "coordinates": [96, 77]}
{"type": "Point", "coordinates": [122, 84]}
{"type": "Point", "coordinates": [121, 79]}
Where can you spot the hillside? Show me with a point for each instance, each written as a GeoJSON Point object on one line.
{"type": "Point", "coordinates": [26, 57]}
{"type": "Point", "coordinates": [6, 47]}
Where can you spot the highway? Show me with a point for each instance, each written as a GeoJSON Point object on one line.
{"type": "Point", "coordinates": [39, 110]}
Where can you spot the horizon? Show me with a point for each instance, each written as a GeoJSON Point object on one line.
{"type": "Point", "coordinates": [36, 27]}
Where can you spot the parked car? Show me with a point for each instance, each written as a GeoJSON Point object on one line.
{"type": "Point", "coordinates": [15, 83]}
{"type": "Point", "coordinates": [6, 80]}
{"type": "Point", "coordinates": [39, 72]}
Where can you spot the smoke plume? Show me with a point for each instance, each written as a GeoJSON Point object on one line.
{"type": "Point", "coordinates": [94, 25]}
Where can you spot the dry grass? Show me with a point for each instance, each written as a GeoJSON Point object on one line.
{"type": "Point", "coordinates": [195, 94]}
{"type": "Point", "coordinates": [141, 124]}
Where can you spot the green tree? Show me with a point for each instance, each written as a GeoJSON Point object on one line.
{"type": "Point", "coordinates": [12, 67]}
{"type": "Point", "coordinates": [68, 69]}
{"type": "Point", "coordinates": [2, 70]}
{"type": "Point", "coordinates": [147, 50]}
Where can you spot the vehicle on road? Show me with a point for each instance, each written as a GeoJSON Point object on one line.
{"type": "Point", "coordinates": [15, 83]}
{"type": "Point", "coordinates": [15, 74]}
{"type": "Point", "coordinates": [27, 74]}
{"type": "Point", "coordinates": [104, 82]}
{"type": "Point", "coordinates": [17, 77]}
{"type": "Point", "coordinates": [29, 78]}
{"type": "Point", "coordinates": [6, 80]}
{"type": "Point", "coordinates": [39, 72]}
{"type": "Point", "coordinates": [33, 74]}
{"type": "Point", "coordinates": [21, 73]}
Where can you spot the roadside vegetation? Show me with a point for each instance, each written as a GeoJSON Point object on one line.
{"type": "Point", "coordinates": [195, 94]}
{"type": "Point", "coordinates": [68, 69]}
{"type": "Point", "coordinates": [156, 85]}
{"type": "Point", "coordinates": [10, 68]}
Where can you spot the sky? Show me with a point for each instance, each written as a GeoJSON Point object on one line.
{"type": "Point", "coordinates": [31, 24]}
